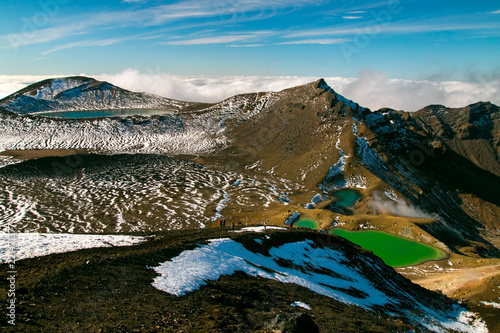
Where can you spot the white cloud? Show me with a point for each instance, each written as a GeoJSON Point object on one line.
{"type": "Point", "coordinates": [374, 90]}
{"type": "Point", "coordinates": [352, 17]}
{"type": "Point", "coordinates": [46, 35]}
{"type": "Point", "coordinates": [246, 45]}
{"type": "Point", "coordinates": [400, 28]}
{"type": "Point", "coordinates": [211, 40]}
{"type": "Point", "coordinates": [85, 43]}
{"type": "Point", "coordinates": [153, 15]}
{"type": "Point", "coordinates": [320, 41]}
{"type": "Point", "coordinates": [200, 88]}
{"type": "Point", "coordinates": [371, 89]}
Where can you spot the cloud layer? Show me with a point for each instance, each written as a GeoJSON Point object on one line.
{"type": "Point", "coordinates": [371, 89]}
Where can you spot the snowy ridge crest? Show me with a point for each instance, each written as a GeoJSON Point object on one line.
{"type": "Point", "coordinates": [79, 94]}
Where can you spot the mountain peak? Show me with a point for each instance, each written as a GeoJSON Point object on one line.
{"type": "Point", "coordinates": [82, 93]}
{"type": "Point", "coordinates": [321, 83]}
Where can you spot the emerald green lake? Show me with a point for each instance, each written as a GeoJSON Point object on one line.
{"type": "Point", "coordinates": [346, 197]}
{"type": "Point", "coordinates": [393, 250]}
{"type": "Point", "coordinates": [304, 222]}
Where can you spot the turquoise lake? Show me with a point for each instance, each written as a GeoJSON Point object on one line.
{"type": "Point", "coordinates": [346, 197]}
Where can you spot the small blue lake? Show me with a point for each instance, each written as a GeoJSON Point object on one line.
{"type": "Point", "coordinates": [103, 113]}
{"type": "Point", "coordinates": [346, 197]}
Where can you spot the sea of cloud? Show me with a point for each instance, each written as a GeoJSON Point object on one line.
{"type": "Point", "coordinates": [371, 89]}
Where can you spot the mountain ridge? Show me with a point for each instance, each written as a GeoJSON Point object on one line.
{"type": "Point", "coordinates": [264, 157]}
{"type": "Point", "coordinates": [93, 84]}
{"type": "Point", "coordinates": [78, 93]}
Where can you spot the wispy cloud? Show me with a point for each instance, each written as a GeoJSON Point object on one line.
{"type": "Point", "coordinates": [155, 15]}
{"type": "Point", "coordinates": [322, 41]}
{"type": "Point", "coordinates": [41, 36]}
{"type": "Point", "coordinates": [234, 11]}
{"type": "Point", "coordinates": [396, 28]}
{"type": "Point", "coordinates": [352, 17]}
{"type": "Point", "coordinates": [85, 43]}
{"type": "Point", "coordinates": [245, 45]}
{"type": "Point", "coordinates": [496, 12]}
{"type": "Point", "coordinates": [211, 40]}
{"type": "Point", "coordinates": [101, 42]}
{"type": "Point", "coordinates": [359, 7]}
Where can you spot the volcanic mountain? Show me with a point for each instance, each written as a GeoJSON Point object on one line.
{"type": "Point", "coordinates": [301, 141]}
{"type": "Point", "coordinates": [82, 93]}
{"type": "Point", "coordinates": [431, 176]}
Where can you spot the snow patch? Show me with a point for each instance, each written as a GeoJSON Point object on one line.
{"type": "Point", "coordinates": [493, 304]}
{"type": "Point", "coordinates": [257, 229]}
{"type": "Point", "coordinates": [391, 194]}
{"type": "Point", "coordinates": [191, 269]}
{"type": "Point", "coordinates": [334, 179]}
{"type": "Point", "coordinates": [299, 304]}
{"type": "Point", "coordinates": [30, 245]}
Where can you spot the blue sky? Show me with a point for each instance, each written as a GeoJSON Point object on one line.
{"type": "Point", "coordinates": [437, 40]}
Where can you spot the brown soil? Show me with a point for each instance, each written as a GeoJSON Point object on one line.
{"type": "Point", "coordinates": [455, 283]}
{"type": "Point", "coordinates": [32, 154]}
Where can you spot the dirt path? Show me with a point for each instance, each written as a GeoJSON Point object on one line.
{"type": "Point", "coordinates": [452, 282]}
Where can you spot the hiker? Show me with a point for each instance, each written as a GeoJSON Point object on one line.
{"type": "Point", "coordinates": [232, 225]}
{"type": "Point", "coordinates": [220, 223]}
{"type": "Point", "coordinates": [223, 223]}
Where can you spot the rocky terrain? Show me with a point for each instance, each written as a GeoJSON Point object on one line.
{"type": "Point", "coordinates": [335, 288]}
{"type": "Point", "coordinates": [431, 176]}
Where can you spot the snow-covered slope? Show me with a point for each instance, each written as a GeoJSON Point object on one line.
{"type": "Point", "coordinates": [325, 270]}
{"type": "Point", "coordinates": [159, 134]}
{"type": "Point", "coordinates": [19, 246]}
{"type": "Point", "coordinates": [124, 193]}
{"type": "Point", "coordinates": [82, 93]}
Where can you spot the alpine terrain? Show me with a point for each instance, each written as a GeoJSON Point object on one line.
{"type": "Point", "coordinates": [115, 218]}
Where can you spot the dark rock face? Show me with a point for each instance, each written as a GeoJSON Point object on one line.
{"type": "Point", "coordinates": [297, 322]}
{"type": "Point", "coordinates": [336, 208]}
{"type": "Point", "coordinates": [472, 132]}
